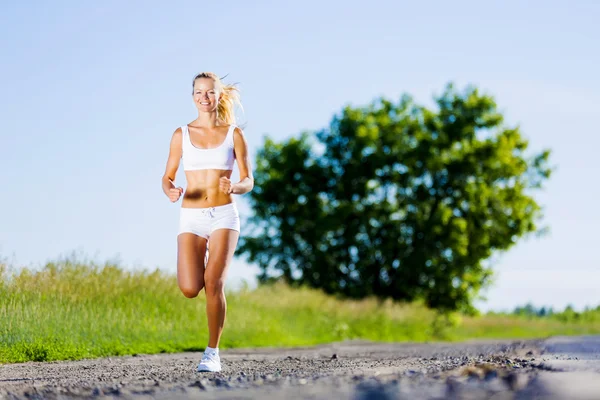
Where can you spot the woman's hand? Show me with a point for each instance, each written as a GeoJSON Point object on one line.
{"type": "Point", "coordinates": [175, 193]}
{"type": "Point", "coordinates": [225, 185]}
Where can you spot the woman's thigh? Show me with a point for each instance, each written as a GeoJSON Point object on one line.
{"type": "Point", "coordinates": [222, 246]}
{"type": "Point", "coordinates": [191, 253]}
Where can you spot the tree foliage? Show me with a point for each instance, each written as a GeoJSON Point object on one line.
{"type": "Point", "coordinates": [396, 200]}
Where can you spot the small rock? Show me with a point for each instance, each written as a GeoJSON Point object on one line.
{"type": "Point", "coordinates": [198, 384]}
{"type": "Point", "coordinates": [222, 383]}
{"type": "Point", "coordinates": [334, 357]}
{"type": "Point", "coordinates": [452, 387]}
{"type": "Point", "coordinates": [490, 375]}
{"type": "Point", "coordinates": [115, 391]}
{"type": "Point", "coordinates": [516, 381]}
{"type": "Point", "coordinates": [474, 372]}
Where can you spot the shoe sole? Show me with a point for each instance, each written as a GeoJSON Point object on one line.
{"type": "Point", "coordinates": [207, 370]}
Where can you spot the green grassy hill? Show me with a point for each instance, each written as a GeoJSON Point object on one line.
{"type": "Point", "coordinates": [73, 310]}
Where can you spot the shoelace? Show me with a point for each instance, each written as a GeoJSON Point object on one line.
{"type": "Point", "coordinates": [209, 357]}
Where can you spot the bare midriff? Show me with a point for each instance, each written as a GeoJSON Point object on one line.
{"type": "Point", "coordinates": [203, 189]}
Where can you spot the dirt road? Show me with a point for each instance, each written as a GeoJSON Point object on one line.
{"type": "Point", "coordinates": [558, 368]}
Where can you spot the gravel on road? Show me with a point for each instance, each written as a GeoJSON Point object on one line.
{"type": "Point", "coordinates": [498, 369]}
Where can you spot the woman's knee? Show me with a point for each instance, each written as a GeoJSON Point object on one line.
{"type": "Point", "coordinates": [214, 287]}
{"type": "Point", "coordinates": [190, 291]}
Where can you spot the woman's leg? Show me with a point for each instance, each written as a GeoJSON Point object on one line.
{"type": "Point", "coordinates": [191, 251]}
{"type": "Point", "coordinates": [222, 246]}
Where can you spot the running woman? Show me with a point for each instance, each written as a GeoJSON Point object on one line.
{"type": "Point", "coordinates": [208, 147]}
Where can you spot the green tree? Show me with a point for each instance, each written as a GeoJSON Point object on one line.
{"type": "Point", "coordinates": [396, 200]}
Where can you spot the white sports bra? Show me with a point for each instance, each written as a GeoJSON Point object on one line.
{"type": "Point", "coordinates": [220, 157]}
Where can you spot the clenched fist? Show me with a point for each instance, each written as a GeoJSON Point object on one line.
{"type": "Point", "coordinates": [175, 193]}
{"type": "Point", "coordinates": [225, 185]}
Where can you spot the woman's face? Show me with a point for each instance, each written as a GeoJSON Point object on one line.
{"type": "Point", "coordinates": [206, 96]}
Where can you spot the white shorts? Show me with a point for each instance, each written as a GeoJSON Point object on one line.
{"type": "Point", "coordinates": [204, 221]}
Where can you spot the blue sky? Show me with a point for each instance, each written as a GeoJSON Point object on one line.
{"type": "Point", "coordinates": [93, 91]}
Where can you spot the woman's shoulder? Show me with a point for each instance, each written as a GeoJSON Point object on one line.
{"type": "Point", "coordinates": [178, 132]}
{"type": "Point", "coordinates": [238, 135]}
{"type": "Point", "coordinates": [236, 130]}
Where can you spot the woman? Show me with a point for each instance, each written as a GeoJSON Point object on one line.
{"type": "Point", "coordinates": [208, 147]}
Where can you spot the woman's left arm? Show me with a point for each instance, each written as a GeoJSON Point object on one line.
{"type": "Point", "coordinates": [240, 146]}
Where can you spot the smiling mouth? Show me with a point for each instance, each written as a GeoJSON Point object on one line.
{"type": "Point", "coordinates": [204, 104]}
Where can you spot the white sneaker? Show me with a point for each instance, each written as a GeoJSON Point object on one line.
{"type": "Point", "coordinates": [210, 362]}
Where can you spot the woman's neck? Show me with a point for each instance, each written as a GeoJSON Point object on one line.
{"type": "Point", "coordinates": [208, 120]}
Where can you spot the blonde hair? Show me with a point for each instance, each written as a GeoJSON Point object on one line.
{"type": "Point", "coordinates": [229, 96]}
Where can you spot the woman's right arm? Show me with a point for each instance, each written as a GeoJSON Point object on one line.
{"type": "Point", "coordinates": [172, 165]}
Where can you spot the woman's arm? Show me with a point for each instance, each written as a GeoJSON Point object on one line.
{"type": "Point", "coordinates": [172, 165]}
{"type": "Point", "coordinates": [240, 146]}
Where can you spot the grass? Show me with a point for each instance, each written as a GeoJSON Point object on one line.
{"type": "Point", "coordinates": [74, 310]}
